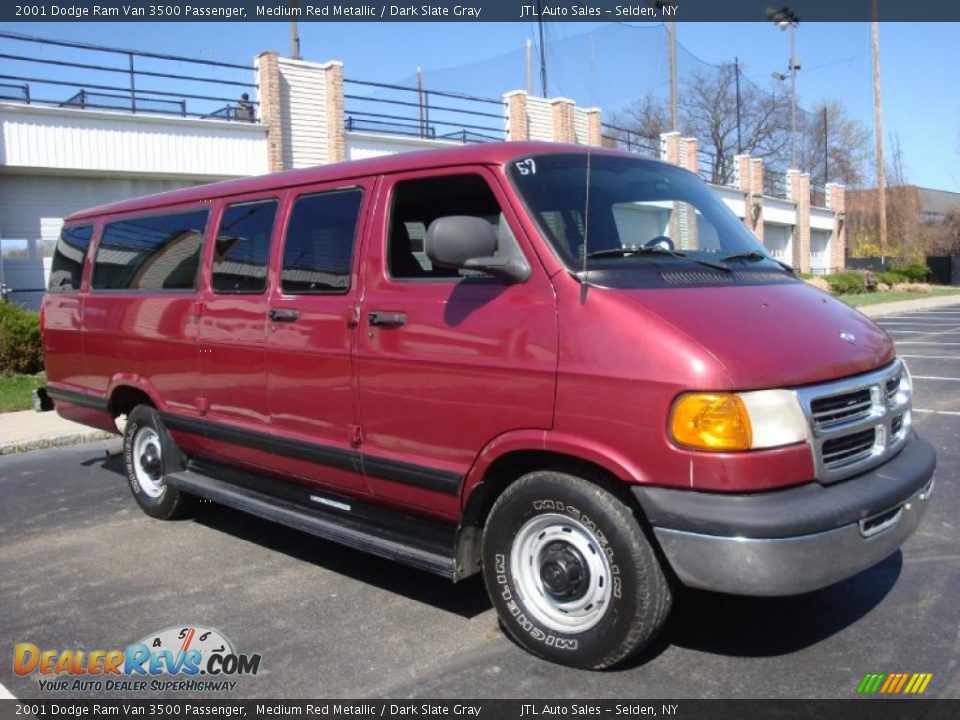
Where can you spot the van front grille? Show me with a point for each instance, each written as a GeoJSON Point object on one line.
{"type": "Point", "coordinates": [857, 423]}
{"type": "Point", "coordinates": [847, 449]}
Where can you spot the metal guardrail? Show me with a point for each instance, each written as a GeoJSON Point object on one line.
{"type": "Point", "coordinates": [21, 79]}
{"type": "Point", "coordinates": [418, 112]}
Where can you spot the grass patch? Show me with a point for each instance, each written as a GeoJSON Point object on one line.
{"type": "Point", "coordinates": [16, 391]}
{"type": "Point", "coordinates": [885, 297]}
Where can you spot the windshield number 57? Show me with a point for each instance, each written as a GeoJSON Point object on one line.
{"type": "Point", "coordinates": [527, 167]}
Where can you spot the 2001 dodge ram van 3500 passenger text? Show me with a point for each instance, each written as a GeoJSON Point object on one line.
{"type": "Point", "coordinates": [573, 370]}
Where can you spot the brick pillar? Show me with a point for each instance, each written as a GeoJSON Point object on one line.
{"type": "Point", "coordinates": [741, 180]}
{"type": "Point", "coordinates": [837, 202]}
{"type": "Point", "coordinates": [268, 83]}
{"type": "Point", "coordinates": [563, 120]}
{"type": "Point", "coordinates": [800, 194]}
{"type": "Point", "coordinates": [336, 132]}
{"type": "Point", "coordinates": [688, 153]}
{"type": "Point", "coordinates": [518, 123]}
{"type": "Point", "coordinates": [670, 147]}
{"type": "Point", "coordinates": [756, 192]}
{"type": "Point", "coordinates": [685, 213]}
{"type": "Point", "coordinates": [594, 127]}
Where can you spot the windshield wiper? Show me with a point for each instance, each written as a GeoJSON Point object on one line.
{"type": "Point", "coordinates": [756, 256]}
{"type": "Point", "coordinates": [654, 250]}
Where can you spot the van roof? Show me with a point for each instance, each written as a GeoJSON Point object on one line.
{"type": "Point", "coordinates": [482, 154]}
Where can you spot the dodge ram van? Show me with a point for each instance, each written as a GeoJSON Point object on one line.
{"type": "Point", "coordinates": [571, 369]}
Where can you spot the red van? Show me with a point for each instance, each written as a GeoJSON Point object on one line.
{"type": "Point", "coordinates": [571, 369]}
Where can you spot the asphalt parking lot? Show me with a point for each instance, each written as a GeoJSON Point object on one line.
{"type": "Point", "coordinates": [84, 568]}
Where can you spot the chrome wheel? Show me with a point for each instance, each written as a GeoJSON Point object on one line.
{"type": "Point", "coordinates": [148, 462]}
{"type": "Point", "coordinates": [561, 572]}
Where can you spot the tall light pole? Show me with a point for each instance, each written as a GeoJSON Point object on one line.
{"type": "Point", "coordinates": [674, 93]}
{"type": "Point", "coordinates": [786, 19]}
{"type": "Point", "coordinates": [878, 122]}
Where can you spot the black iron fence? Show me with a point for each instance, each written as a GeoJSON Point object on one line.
{"type": "Point", "coordinates": [65, 73]}
{"type": "Point", "coordinates": [623, 138]}
{"type": "Point", "coordinates": [421, 113]}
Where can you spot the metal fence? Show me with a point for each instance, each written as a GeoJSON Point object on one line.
{"type": "Point", "coordinates": [65, 73]}
{"type": "Point", "coordinates": [622, 138]}
{"type": "Point", "coordinates": [421, 113]}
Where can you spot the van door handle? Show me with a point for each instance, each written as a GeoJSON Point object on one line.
{"type": "Point", "coordinates": [283, 314]}
{"type": "Point", "coordinates": [385, 319]}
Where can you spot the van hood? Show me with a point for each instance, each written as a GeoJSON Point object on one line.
{"type": "Point", "coordinates": [768, 336]}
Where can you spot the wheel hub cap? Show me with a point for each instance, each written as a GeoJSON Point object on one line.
{"type": "Point", "coordinates": [563, 571]}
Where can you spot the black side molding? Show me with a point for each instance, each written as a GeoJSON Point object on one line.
{"type": "Point", "coordinates": [801, 510]}
{"type": "Point", "coordinates": [419, 543]}
{"type": "Point", "coordinates": [427, 478]}
{"type": "Point", "coordinates": [96, 402]}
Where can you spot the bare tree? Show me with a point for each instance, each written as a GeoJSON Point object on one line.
{"type": "Point", "coordinates": [641, 124]}
{"type": "Point", "coordinates": [847, 145]}
{"type": "Point", "coordinates": [709, 112]}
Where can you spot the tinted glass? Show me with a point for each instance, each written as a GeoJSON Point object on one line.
{"type": "Point", "coordinates": [417, 203]}
{"type": "Point", "coordinates": [319, 245]}
{"type": "Point", "coordinates": [161, 252]}
{"type": "Point", "coordinates": [67, 268]}
{"type": "Point", "coordinates": [242, 252]}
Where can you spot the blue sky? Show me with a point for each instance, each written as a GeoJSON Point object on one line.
{"type": "Point", "coordinates": [920, 63]}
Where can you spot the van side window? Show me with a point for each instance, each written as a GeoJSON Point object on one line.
{"type": "Point", "coordinates": [319, 247]}
{"type": "Point", "coordinates": [242, 251]}
{"type": "Point", "coordinates": [160, 252]}
{"type": "Point", "coordinates": [67, 268]}
{"type": "Point", "coordinates": [417, 203]}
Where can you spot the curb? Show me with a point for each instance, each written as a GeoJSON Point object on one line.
{"type": "Point", "coordinates": [58, 441]}
{"type": "Point", "coordinates": [906, 306]}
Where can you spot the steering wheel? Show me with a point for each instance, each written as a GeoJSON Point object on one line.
{"type": "Point", "coordinates": [660, 241]}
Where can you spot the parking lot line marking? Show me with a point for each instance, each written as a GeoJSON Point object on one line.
{"type": "Point", "coordinates": [5, 694]}
{"type": "Point", "coordinates": [937, 412]}
{"type": "Point", "coordinates": [934, 357]}
{"type": "Point", "coordinates": [933, 377]}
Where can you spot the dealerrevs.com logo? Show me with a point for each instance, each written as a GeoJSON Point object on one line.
{"type": "Point", "coordinates": [188, 658]}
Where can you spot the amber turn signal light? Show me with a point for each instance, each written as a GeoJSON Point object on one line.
{"type": "Point", "coordinates": [711, 421]}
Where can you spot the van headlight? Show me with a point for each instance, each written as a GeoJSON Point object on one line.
{"type": "Point", "coordinates": [726, 422]}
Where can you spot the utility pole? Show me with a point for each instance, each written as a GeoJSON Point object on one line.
{"type": "Point", "coordinates": [826, 149]}
{"type": "Point", "coordinates": [878, 122]}
{"type": "Point", "coordinates": [736, 69]}
{"type": "Point", "coordinates": [529, 66]}
{"type": "Point", "coordinates": [543, 52]}
{"type": "Point", "coordinates": [294, 32]}
{"type": "Point", "coordinates": [672, 52]}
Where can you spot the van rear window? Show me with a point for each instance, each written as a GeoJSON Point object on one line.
{"type": "Point", "coordinates": [66, 270]}
{"type": "Point", "coordinates": [161, 252]}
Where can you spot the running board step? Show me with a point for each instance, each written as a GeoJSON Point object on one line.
{"type": "Point", "coordinates": [368, 529]}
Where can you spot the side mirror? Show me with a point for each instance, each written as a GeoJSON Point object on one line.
{"type": "Point", "coordinates": [464, 241]}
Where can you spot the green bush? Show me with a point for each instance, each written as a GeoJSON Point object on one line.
{"type": "Point", "coordinates": [20, 350]}
{"type": "Point", "coordinates": [892, 278]}
{"type": "Point", "coordinates": [913, 272]}
{"type": "Point", "coordinates": [851, 283]}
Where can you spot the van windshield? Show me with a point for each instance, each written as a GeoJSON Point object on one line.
{"type": "Point", "coordinates": [638, 212]}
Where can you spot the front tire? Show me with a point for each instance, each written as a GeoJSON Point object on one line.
{"type": "Point", "coordinates": [571, 573]}
{"type": "Point", "coordinates": [149, 456]}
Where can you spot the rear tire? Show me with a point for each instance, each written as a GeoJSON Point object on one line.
{"type": "Point", "coordinates": [571, 573]}
{"type": "Point", "coordinates": [149, 455]}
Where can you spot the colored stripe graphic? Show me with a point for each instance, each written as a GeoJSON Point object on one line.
{"type": "Point", "coordinates": [894, 683]}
